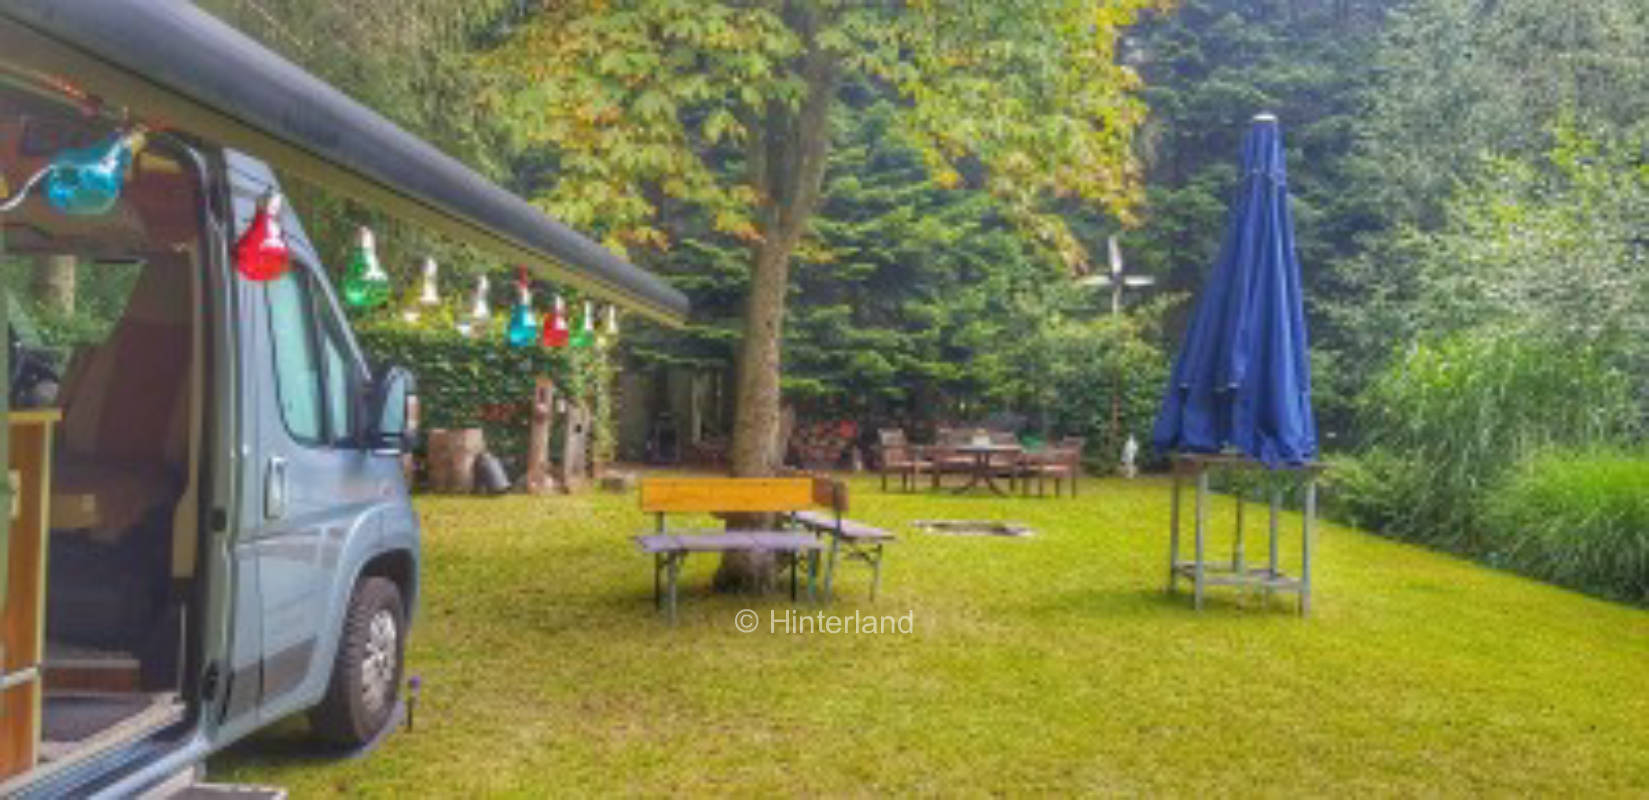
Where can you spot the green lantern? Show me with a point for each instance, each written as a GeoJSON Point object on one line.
{"type": "Point", "coordinates": [365, 283]}
{"type": "Point", "coordinates": [586, 328]}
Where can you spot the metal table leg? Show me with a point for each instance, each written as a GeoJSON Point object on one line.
{"type": "Point", "coordinates": [1202, 534]}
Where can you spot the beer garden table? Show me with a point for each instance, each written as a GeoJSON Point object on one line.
{"type": "Point", "coordinates": [983, 455]}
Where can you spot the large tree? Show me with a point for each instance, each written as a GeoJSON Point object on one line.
{"type": "Point", "coordinates": [644, 107]}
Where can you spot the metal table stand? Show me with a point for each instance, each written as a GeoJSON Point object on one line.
{"type": "Point", "coordinates": [1268, 578]}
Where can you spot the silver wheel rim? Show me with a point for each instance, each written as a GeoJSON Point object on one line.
{"type": "Point", "coordinates": [378, 662]}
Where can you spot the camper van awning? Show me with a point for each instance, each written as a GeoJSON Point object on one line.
{"type": "Point", "coordinates": [167, 60]}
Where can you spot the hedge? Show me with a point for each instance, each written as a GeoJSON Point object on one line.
{"type": "Point", "coordinates": [482, 382]}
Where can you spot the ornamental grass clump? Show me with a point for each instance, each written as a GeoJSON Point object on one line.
{"type": "Point", "coordinates": [1450, 421]}
{"type": "Point", "coordinates": [1580, 519]}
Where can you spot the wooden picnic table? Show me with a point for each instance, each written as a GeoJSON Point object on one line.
{"type": "Point", "coordinates": [982, 472]}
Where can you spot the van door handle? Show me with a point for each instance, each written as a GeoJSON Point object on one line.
{"type": "Point", "coordinates": [274, 489]}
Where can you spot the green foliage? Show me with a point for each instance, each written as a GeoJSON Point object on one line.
{"type": "Point", "coordinates": [1553, 247]}
{"type": "Point", "coordinates": [1446, 423]}
{"type": "Point", "coordinates": [1578, 518]}
{"type": "Point", "coordinates": [101, 293]}
{"type": "Point", "coordinates": [482, 382]}
{"type": "Point", "coordinates": [1463, 92]}
{"type": "Point", "coordinates": [642, 104]}
{"type": "Point", "coordinates": [1108, 364]}
{"type": "Point", "coordinates": [1459, 79]}
{"type": "Point", "coordinates": [914, 298]}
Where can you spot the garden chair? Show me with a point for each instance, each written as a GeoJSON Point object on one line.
{"type": "Point", "coordinates": [1061, 462]}
{"type": "Point", "coordinates": [1010, 466]}
{"type": "Point", "coordinates": [896, 455]}
{"type": "Point", "coordinates": [943, 457]}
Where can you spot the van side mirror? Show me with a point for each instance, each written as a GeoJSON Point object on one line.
{"type": "Point", "coordinates": [392, 423]}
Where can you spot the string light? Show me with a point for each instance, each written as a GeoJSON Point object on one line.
{"type": "Point", "coordinates": [431, 295]}
{"type": "Point", "coordinates": [261, 253]}
{"type": "Point", "coordinates": [523, 329]}
{"type": "Point", "coordinates": [555, 324]}
{"type": "Point", "coordinates": [586, 328]}
{"type": "Point", "coordinates": [365, 283]}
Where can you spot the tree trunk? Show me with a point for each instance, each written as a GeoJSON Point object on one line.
{"type": "Point", "coordinates": [54, 283]}
{"type": "Point", "coordinates": [787, 161]}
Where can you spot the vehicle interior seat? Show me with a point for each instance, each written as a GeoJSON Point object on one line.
{"type": "Point", "coordinates": [121, 468]}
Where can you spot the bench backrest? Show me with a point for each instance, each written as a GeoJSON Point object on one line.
{"type": "Point", "coordinates": [701, 495]}
{"type": "Point", "coordinates": [830, 493]}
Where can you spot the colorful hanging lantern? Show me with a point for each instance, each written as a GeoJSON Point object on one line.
{"type": "Point", "coordinates": [586, 327]}
{"type": "Point", "coordinates": [428, 296]}
{"type": "Point", "coordinates": [555, 325]}
{"type": "Point", "coordinates": [261, 253]}
{"type": "Point", "coordinates": [431, 295]}
{"type": "Point", "coordinates": [88, 180]}
{"type": "Point", "coordinates": [365, 283]}
{"type": "Point", "coordinates": [609, 328]}
{"type": "Point", "coordinates": [481, 311]}
{"type": "Point", "coordinates": [523, 329]}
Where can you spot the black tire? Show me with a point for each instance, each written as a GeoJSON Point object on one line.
{"type": "Point", "coordinates": [348, 716]}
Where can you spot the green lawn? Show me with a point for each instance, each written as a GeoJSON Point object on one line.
{"type": "Point", "coordinates": [1049, 664]}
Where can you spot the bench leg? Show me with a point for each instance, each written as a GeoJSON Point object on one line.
{"type": "Point", "coordinates": [813, 576]}
{"type": "Point", "coordinates": [795, 567]}
{"type": "Point", "coordinates": [876, 573]}
{"type": "Point", "coordinates": [830, 570]}
{"type": "Point", "coordinates": [675, 571]}
{"type": "Point", "coordinates": [658, 569]}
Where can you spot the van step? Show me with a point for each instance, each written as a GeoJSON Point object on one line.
{"type": "Point", "coordinates": [229, 791]}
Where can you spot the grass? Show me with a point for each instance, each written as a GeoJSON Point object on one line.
{"type": "Point", "coordinates": [1053, 664]}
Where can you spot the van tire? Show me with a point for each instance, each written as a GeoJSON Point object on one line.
{"type": "Point", "coordinates": [348, 716]}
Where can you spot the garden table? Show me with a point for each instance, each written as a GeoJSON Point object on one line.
{"type": "Point", "coordinates": [982, 455]}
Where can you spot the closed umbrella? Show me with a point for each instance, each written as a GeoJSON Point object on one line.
{"type": "Point", "coordinates": [1242, 381]}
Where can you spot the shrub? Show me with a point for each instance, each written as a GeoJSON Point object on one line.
{"type": "Point", "coordinates": [482, 382]}
{"type": "Point", "coordinates": [1092, 362]}
{"type": "Point", "coordinates": [1447, 423]}
{"type": "Point", "coordinates": [1580, 519]}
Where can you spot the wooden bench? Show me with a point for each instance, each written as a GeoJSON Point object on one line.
{"type": "Point", "coordinates": [670, 547]}
{"type": "Point", "coordinates": [849, 540]}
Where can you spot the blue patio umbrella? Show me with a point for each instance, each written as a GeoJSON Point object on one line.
{"type": "Point", "coordinates": [1242, 381]}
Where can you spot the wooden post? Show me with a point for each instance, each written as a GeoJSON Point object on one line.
{"type": "Point", "coordinates": [539, 479]}
{"type": "Point", "coordinates": [574, 472]}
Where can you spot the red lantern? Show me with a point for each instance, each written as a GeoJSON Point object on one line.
{"type": "Point", "coordinates": [261, 253]}
{"type": "Point", "coordinates": [555, 325]}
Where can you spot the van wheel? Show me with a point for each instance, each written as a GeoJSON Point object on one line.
{"type": "Point", "coordinates": [366, 674]}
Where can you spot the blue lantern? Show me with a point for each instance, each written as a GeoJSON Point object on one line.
{"type": "Point", "coordinates": [523, 330]}
{"type": "Point", "coordinates": [87, 181]}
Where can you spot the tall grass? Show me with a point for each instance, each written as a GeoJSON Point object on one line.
{"type": "Point", "coordinates": [1577, 518]}
{"type": "Point", "coordinates": [1450, 421]}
